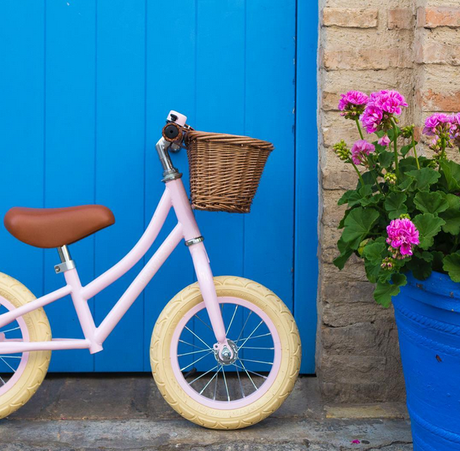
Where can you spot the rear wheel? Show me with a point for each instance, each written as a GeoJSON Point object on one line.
{"type": "Point", "coordinates": [22, 373]}
{"type": "Point", "coordinates": [237, 393]}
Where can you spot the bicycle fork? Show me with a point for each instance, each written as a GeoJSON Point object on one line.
{"type": "Point", "coordinates": [194, 241]}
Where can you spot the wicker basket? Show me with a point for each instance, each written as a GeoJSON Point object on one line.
{"type": "Point", "coordinates": [224, 170]}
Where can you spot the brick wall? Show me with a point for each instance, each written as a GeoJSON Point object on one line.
{"type": "Point", "coordinates": [412, 46]}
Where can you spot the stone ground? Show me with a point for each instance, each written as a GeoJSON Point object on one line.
{"type": "Point", "coordinates": [88, 413]}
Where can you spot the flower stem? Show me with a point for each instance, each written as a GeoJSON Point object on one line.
{"type": "Point", "coordinates": [359, 173]}
{"type": "Point", "coordinates": [359, 128]}
{"type": "Point", "coordinates": [373, 175]}
{"type": "Point", "coordinates": [415, 150]}
{"type": "Point", "coordinates": [395, 142]}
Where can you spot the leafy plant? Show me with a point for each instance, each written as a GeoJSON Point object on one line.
{"type": "Point", "coordinates": [404, 214]}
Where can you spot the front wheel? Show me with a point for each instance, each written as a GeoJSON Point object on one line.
{"type": "Point", "coordinates": [254, 383]}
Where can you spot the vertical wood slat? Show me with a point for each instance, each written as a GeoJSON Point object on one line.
{"type": "Point", "coordinates": [22, 33]}
{"type": "Point", "coordinates": [306, 186]}
{"type": "Point", "coordinates": [170, 72]}
{"type": "Point", "coordinates": [220, 92]}
{"type": "Point", "coordinates": [270, 92]}
{"type": "Point", "coordinates": [69, 165]}
{"type": "Point", "coordinates": [120, 93]}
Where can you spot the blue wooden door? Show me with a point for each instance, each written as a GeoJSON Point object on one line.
{"type": "Point", "coordinates": [85, 88]}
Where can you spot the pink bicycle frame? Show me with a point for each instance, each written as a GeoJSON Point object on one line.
{"type": "Point", "coordinates": [174, 196]}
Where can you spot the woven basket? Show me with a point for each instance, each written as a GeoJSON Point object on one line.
{"type": "Point", "coordinates": [224, 170]}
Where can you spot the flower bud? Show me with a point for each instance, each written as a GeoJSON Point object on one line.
{"type": "Point", "coordinates": [390, 178]}
{"type": "Point", "coordinates": [341, 150]}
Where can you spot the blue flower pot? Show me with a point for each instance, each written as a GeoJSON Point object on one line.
{"type": "Point", "coordinates": [428, 320]}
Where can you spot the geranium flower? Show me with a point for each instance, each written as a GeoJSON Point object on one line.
{"type": "Point", "coordinates": [438, 123]}
{"type": "Point", "coordinates": [402, 235]}
{"type": "Point", "coordinates": [360, 150]}
{"type": "Point", "coordinates": [384, 141]}
{"type": "Point", "coordinates": [388, 101]}
{"type": "Point", "coordinates": [352, 99]}
{"type": "Point", "coordinates": [372, 118]}
{"type": "Point", "coordinates": [380, 108]}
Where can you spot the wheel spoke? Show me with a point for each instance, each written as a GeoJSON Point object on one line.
{"type": "Point", "coordinates": [251, 334]}
{"type": "Point", "coordinates": [190, 344]}
{"type": "Point", "coordinates": [207, 325]}
{"type": "Point", "coordinates": [215, 388]}
{"type": "Point", "coordinates": [253, 372]}
{"type": "Point", "coordinates": [9, 366]}
{"type": "Point", "coordinates": [246, 371]}
{"type": "Point", "coordinates": [10, 357]}
{"type": "Point", "coordinates": [210, 380]}
{"type": "Point", "coordinates": [9, 330]}
{"type": "Point", "coordinates": [3, 382]}
{"type": "Point", "coordinates": [193, 352]}
{"type": "Point", "coordinates": [197, 360]}
{"type": "Point", "coordinates": [253, 338]}
{"type": "Point", "coordinates": [231, 321]}
{"type": "Point", "coordinates": [247, 319]}
{"type": "Point", "coordinates": [204, 374]}
{"type": "Point", "coordinates": [226, 386]}
{"type": "Point", "coordinates": [239, 380]}
{"type": "Point", "coordinates": [256, 361]}
{"type": "Point", "coordinates": [194, 334]}
{"type": "Point", "coordinates": [260, 349]}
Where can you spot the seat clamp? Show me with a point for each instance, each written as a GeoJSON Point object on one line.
{"type": "Point", "coordinates": [66, 260]}
{"type": "Point", "coordinates": [193, 241]}
{"type": "Point", "coordinates": [65, 266]}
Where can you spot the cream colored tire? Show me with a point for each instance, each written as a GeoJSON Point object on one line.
{"type": "Point", "coordinates": [279, 389]}
{"type": "Point", "coordinates": [38, 328]}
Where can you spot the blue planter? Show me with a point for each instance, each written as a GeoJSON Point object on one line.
{"type": "Point", "coordinates": [428, 320]}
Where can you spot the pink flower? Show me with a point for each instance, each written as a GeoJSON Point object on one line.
{"type": "Point", "coordinates": [359, 150]}
{"type": "Point", "coordinates": [371, 118]}
{"type": "Point", "coordinates": [355, 442]}
{"type": "Point", "coordinates": [384, 141]}
{"type": "Point", "coordinates": [352, 98]}
{"type": "Point", "coordinates": [388, 101]}
{"type": "Point", "coordinates": [437, 123]}
{"type": "Point", "coordinates": [402, 235]}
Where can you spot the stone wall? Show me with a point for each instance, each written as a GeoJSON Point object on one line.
{"type": "Point", "coordinates": [412, 46]}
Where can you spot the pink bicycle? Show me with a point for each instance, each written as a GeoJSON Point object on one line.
{"type": "Point", "coordinates": [225, 351]}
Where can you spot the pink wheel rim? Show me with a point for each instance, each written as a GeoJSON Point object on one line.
{"type": "Point", "coordinates": [25, 355]}
{"type": "Point", "coordinates": [233, 404]}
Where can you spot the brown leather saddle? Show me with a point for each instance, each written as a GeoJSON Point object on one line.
{"type": "Point", "coordinates": [55, 227]}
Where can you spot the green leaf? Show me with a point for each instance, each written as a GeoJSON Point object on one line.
{"type": "Point", "coordinates": [424, 178]}
{"type": "Point", "coordinates": [358, 225]}
{"type": "Point", "coordinates": [385, 291]}
{"type": "Point", "coordinates": [421, 269]}
{"type": "Point", "coordinates": [405, 150]}
{"type": "Point", "coordinates": [431, 202]}
{"type": "Point", "coordinates": [373, 251]}
{"type": "Point", "coordinates": [406, 183]}
{"type": "Point", "coordinates": [345, 254]}
{"type": "Point", "coordinates": [340, 261]}
{"type": "Point", "coordinates": [428, 226]}
{"type": "Point", "coordinates": [452, 215]}
{"type": "Point", "coordinates": [395, 205]}
{"type": "Point", "coordinates": [451, 264]}
{"type": "Point", "coordinates": [356, 197]}
{"type": "Point", "coordinates": [450, 175]}
{"type": "Point", "coordinates": [386, 159]}
{"type": "Point", "coordinates": [371, 201]}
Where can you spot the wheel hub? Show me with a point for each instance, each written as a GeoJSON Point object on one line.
{"type": "Point", "coordinates": [228, 355]}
